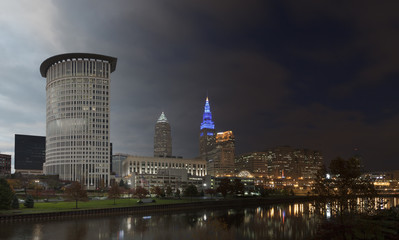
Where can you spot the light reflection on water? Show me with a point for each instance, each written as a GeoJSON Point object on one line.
{"type": "Point", "coordinates": [290, 221]}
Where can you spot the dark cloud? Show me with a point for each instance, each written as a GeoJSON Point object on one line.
{"type": "Point", "coordinates": [312, 74]}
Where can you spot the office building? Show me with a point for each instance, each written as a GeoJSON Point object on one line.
{"type": "Point", "coordinates": [222, 163]}
{"type": "Point", "coordinates": [173, 178]}
{"type": "Point", "coordinates": [207, 138]}
{"type": "Point", "coordinates": [162, 137]}
{"type": "Point", "coordinates": [281, 162]}
{"type": "Point", "coordinates": [77, 117]}
{"type": "Point", "coordinates": [30, 153]}
{"type": "Point", "coordinates": [254, 162]}
{"type": "Point", "coordinates": [152, 165]}
{"type": "Point", "coordinates": [5, 164]}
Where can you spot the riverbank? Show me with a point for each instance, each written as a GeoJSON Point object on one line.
{"type": "Point", "coordinates": [153, 207]}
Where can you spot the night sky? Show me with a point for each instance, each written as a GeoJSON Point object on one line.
{"type": "Point", "coordinates": [321, 75]}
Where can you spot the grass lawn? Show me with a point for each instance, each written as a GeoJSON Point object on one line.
{"type": "Point", "coordinates": [43, 207]}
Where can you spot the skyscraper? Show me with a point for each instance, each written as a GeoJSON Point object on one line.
{"type": "Point", "coordinates": [30, 153]}
{"type": "Point", "coordinates": [77, 117]}
{"type": "Point", "coordinates": [225, 153]}
{"type": "Point", "coordinates": [207, 136]}
{"type": "Point", "coordinates": [162, 137]}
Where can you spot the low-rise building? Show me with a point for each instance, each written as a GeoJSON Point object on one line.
{"type": "Point", "coordinates": [151, 165]}
{"type": "Point", "coordinates": [211, 182]}
{"type": "Point", "coordinates": [30, 154]}
{"type": "Point", "coordinates": [117, 164]}
{"type": "Point", "coordinates": [174, 178]}
{"type": "Point", "coordinates": [5, 164]}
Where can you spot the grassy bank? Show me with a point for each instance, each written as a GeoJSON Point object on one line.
{"type": "Point", "coordinates": [46, 207]}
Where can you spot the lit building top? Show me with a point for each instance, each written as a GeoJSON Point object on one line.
{"type": "Point", "coordinates": [207, 117]}
{"type": "Point", "coordinates": [224, 136]}
{"type": "Point", "coordinates": [162, 118]}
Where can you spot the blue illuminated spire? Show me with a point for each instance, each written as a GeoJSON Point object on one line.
{"type": "Point", "coordinates": [207, 117]}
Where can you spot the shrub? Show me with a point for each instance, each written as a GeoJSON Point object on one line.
{"type": "Point", "coordinates": [29, 203]}
{"type": "Point", "coordinates": [6, 194]}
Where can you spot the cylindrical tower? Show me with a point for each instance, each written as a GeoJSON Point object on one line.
{"type": "Point", "coordinates": [78, 117]}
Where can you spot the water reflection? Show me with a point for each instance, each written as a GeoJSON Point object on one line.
{"type": "Point", "coordinates": [293, 221]}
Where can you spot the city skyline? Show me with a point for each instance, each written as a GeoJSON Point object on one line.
{"type": "Point", "coordinates": [310, 75]}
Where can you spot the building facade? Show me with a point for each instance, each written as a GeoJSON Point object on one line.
{"type": "Point", "coordinates": [162, 137]}
{"type": "Point", "coordinates": [255, 162]}
{"type": "Point", "coordinates": [152, 165]}
{"type": "Point", "coordinates": [30, 153]}
{"type": "Point", "coordinates": [222, 163]}
{"type": "Point", "coordinates": [5, 164]}
{"type": "Point", "coordinates": [207, 138]}
{"type": "Point", "coordinates": [78, 116]}
{"type": "Point", "coordinates": [117, 161]}
{"type": "Point", "coordinates": [281, 162]}
{"type": "Point", "coordinates": [173, 178]}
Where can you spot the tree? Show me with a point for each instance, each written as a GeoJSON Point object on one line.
{"type": "Point", "coordinates": [157, 191]}
{"type": "Point", "coordinates": [342, 188]}
{"type": "Point", "coordinates": [141, 192]}
{"type": "Point", "coordinates": [191, 191]}
{"type": "Point", "coordinates": [347, 184]}
{"type": "Point", "coordinates": [237, 186]}
{"type": "Point", "coordinates": [52, 183]}
{"type": "Point", "coordinates": [130, 192]}
{"type": "Point", "coordinates": [6, 194]}
{"type": "Point", "coordinates": [29, 202]}
{"type": "Point", "coordinates": [76, 193]}
{"type": "Point", "coordinates": [224, 187]}
{"type": "Point", "coordinates": [210, 191]}
{"type": "Point", "coordinates": [15, 202]}
{"type": "Point", "coordinates": [177, 193]}
{"type": "Point", "coordinates": [162, 193]}
{"type": "Point", "coordinates": [37, 191]}
{"type": "Point", "coordinates": [169, 191]}
{"type": "Point", "coordinates": [114, 192]}
{"type": "Point", "coordinates": [122, 183]}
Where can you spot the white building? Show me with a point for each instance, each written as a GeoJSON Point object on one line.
{"type": "Point", "coordinates": [173, 178]}
{"type": "Point", "coordinates": [151, 165]}
{"type": "Point", "coordinates": [78, 116]}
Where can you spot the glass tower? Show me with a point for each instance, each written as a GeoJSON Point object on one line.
{"type": "Point", "coordinates": [77, 117]}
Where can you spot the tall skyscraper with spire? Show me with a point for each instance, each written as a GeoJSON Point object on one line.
{"type": "Point", "coordinates": [207, 136]}
{"type": "Point", "coordinates": [162, 137]}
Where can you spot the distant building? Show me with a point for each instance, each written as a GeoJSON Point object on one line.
{"type": "Point", "coordinates": [5, 164]}
{"type": "Point", "coordinates": [30, 153]}
{"type": "Point", "coordinates": [254, 162]}
{"type": "Point", "coordinates": [152, 165]}
{"type": "Point", "coordinates": [78, 117]}
{"type": "Point", "coordinates": [222, 163]}
{"type": "Point", "coordinates": [173, 178]}
{"type": "Point", "coordinates": [207, 138]}
{"type": "Point", "coordinates": [162, 137]}
{"type": "Point", "coordinates": [211, 182]}
{"type": "Point", "coordinates": [281, 162]}
{"type": "Point", "coordinates": [117, 161]}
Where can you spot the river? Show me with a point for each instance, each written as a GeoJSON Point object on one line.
{"type": "Point", "coordinates": [280, 221]}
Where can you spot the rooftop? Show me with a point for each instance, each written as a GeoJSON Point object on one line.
{"type": "Point", "coordinates": [74, 56]}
